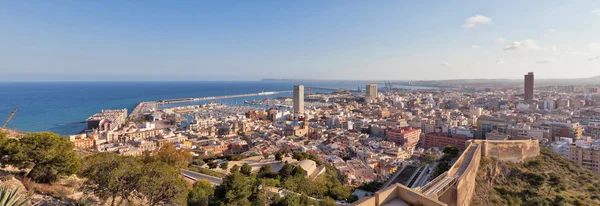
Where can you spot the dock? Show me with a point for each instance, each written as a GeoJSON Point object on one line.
{"type": "Point", "coordinates": [336, 89]}
{"type": "Point", "coordinates": [181, 100]}
{"type": "Point", "coordinates": [141, 109]}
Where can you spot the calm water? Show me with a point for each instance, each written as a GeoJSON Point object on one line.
{"type": "Point", "coordinates": [63, 107]}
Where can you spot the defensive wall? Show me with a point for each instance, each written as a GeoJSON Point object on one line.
{"type": "Point", "coordinates": [466, 166]}
{"type": "Point", "coordinates": [509, 150]}
{"type": "Point", "coordinates": [466, 182]}
{"type": "Point", "coordinates": [398, 192]}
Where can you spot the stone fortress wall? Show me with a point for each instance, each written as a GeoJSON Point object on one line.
{"type": "Point", "coordinates": [509, 150]}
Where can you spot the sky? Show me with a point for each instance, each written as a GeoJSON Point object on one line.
{"type": "Point", "coordinates": [251, 40]}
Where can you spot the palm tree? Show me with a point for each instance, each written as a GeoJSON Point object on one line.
{"type": "Point", "coordinates": [11, 198]}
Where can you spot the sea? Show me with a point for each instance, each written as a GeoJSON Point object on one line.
{"type": "Point", "coordinates": [63, 107]}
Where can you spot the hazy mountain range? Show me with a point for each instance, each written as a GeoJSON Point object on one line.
{"type": "Point", "coordinates": [453, 82]}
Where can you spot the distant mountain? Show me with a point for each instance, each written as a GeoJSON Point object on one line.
{"type": "Point", "coordinates": [595, 80]}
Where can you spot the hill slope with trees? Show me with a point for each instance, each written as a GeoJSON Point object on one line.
{"type": "Point", "coordinates": [548, 179]}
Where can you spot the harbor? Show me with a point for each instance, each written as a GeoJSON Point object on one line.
{"type": "Point", "coordinates": [181, 100]}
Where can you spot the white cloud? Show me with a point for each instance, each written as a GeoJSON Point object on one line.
{"type": "Point", "coordinates": [544, 61]}
{"type": "Point", "coordinates": [576, 53]}
{"type": "Point", "coordinates": [522, 45]}
{"type": "Point", "coordinates": [444, 64]}
{"type": "Point", "coordinates": [595, 46]}
{"type": "Point", "coordinates": [500, 61]}
{"type": "Point", "coordinates": [475, 46]}
{"type": "Point", "coordinates": [595, 11]}
{"type": "Point", "coordinates": [554, 48]}
{"type": "Point", "coordinates": [500, 40]}
{"type": "Point", "coordinates": [477, 20]}
{"type": "Point", "coordinates": [553, 30]}
{"type": "Point", "coordinates": [594, 58]}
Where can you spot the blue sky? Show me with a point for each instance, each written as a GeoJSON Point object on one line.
{"type": "Point", "coordinates": [251, 40]}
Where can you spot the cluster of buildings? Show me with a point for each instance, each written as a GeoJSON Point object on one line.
{"type": "Point", "coordinates": [367, 136]}
{"type": "Point", "coordinates": [107, 120]}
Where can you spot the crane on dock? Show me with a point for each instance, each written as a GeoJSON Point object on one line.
{"type": "Point", "coordinates": [12, 114]}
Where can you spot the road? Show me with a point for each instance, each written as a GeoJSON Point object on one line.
{"type": "Point", "coordinates": [199, 176]}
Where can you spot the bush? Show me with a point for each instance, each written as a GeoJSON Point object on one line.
{"type": "Point", "coordinates": [210, 172]}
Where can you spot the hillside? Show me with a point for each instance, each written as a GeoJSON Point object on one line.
{"type": "Point", "coordinates": [548, 179]}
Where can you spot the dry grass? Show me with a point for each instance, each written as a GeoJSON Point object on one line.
{"type": "Point", "coordinates": [56, 191]}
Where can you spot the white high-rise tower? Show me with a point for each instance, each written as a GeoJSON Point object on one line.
{"type": "Point", "coordinates": [299, 100]}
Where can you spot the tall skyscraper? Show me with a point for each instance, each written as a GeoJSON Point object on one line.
{"type": "Point", "coordinates": [529, 87]}
{"type": "Point", "coordinates": [372, 91]}
{"type": "Point", "coordinates": [299, 100]}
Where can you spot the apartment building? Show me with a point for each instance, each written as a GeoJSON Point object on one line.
{"type": "Point", "coordinates": [107, 120]}
{"type": "Point", "coordinates": [563, 129]}
{"type": "Point", "coordinates": [587, 156]}
{"type": "Point", "coordinates": [441, 140]}
{"type": "Point", "coordinates": [408, 137]}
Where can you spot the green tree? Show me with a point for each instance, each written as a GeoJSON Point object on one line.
{"type": "Point", "coordinates": [161, 184]}
{"type": "Point", "coordinates": [110, 176]}
{"type": "Point", "coordinates": [224, 165]}
{"type": "Point", "coordinates": [451, 151]}
{"type": "Point", "coordinates": [168, 154]}
{"type": "Point", "coordinates": [48, 154]}
{"type": "Point", "coordinates": [212, 164]}
{"type": "Point", "coordinates": [340, 192]}
{"type": "Point", "coordinates": [429, 157]}
{"type": "Point", "coordinates": [299, 156]}
{"type": "Point", "coordinates": [278, 156]}
{"type": "Point", "coordinates": [266, 171]}
{"type": "Point", "coordinates": [198, 162]}
{"type": "Point", "coordinates": [234, 168]}
{"type": "Point", "coordinates": [236, 157]}
{"type": "Point", "coordinates": [291, 199]}
{"type": "Point", "coordinates": [327, 202]}
{"type": "Point", "coordinates": [286, 170]}
{"type": "Point", "coordinates": [298, 171]}
{"type": "Point", "coordinates": [234, 190]}
{"type": "Point", "coordinates": [246, 169]}
{"type": "Point", "coordinates": [371, 186]}
{"type": "Point", "coordinates": [305, 200]}
{"type": "Point", "coordinates": [201, 194]}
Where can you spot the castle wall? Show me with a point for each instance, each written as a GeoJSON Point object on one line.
{"type": "Point", "coordinates": [509, 150]}
{"type": "Point", "coordinates": [466, 183]}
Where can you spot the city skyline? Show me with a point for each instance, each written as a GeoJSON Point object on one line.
{"type": "Point", "coordinates": [120, 41]}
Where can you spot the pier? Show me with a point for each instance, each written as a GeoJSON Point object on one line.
{"type": "Point", "coordinates": [181, 100]}
{"type": "Point", "coordinates": [335, 89]}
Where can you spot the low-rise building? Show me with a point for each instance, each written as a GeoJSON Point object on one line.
{"type": "Point", "coordinates": [85, 143]}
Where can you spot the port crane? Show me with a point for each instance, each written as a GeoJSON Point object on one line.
{"type": "Point", "coordinates": [12, 114]}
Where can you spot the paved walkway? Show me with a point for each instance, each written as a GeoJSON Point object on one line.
{"type": "Point", "coordinates": [199, 176]}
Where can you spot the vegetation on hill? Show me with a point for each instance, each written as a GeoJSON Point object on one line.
{"type": "Point", "coordinates": [10, 197]}
{"type": "Point", "coordinates": [48, 155]}
{"type": "Point", "coordinates": [152, 180]}
{"type": "Point", "coordinates": [548, 179]}
{"type": "Point", "coordinates": [155, 179]}
{"type": "Point", "coordinates": [242, 188]}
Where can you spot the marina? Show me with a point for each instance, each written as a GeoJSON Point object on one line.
{"type": "Point", "coordinates": [181, 100]}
